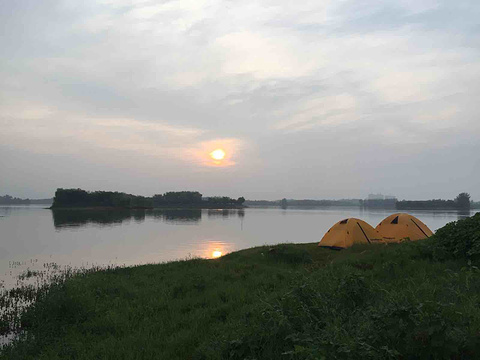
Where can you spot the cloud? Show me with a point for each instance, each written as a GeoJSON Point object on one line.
{"type": "Point", "coordinates": [324, 111]}
{"type": "Point", "coordinates": [162, 79]}
{"type": "Point", "coordinates": [51, 132]}
{"type": "Point", "coordinates": [263, 57]}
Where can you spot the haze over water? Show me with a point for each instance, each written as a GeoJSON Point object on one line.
{"type": "Point", "coordinates": [33, 236]}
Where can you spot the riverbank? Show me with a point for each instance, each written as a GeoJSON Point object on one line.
{"type": "Point", "coordinates": [409, 300]}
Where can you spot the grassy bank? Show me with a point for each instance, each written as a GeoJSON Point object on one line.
{"type": "Point", "coordinates": [409, 300]}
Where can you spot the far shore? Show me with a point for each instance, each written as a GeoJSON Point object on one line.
{"type": "Point", "coordinates": [173, 207]}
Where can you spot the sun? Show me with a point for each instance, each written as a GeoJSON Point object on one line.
{"type": "Point", "coordinates": [216, 254]}
{"type": "Point", "coordinates": [218, 154]}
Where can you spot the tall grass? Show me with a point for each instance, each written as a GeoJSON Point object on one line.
{"type": "Point", "coordinates": [31, 286]}
{"type": "Point", "coordinates": [392, 304]}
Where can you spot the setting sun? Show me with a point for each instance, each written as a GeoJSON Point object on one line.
{"type": "Point", "coordinates": [218, 154]}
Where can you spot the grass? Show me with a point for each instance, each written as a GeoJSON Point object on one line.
{"type": "Point", "coordinates": [272, 302]}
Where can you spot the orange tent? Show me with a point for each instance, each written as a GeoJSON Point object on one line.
{"type": "Point", "coordinates": [347, 232]}
{"type": "Point", "coordinates": [398, 227]}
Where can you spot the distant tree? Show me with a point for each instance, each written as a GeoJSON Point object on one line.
{"type": "Point", "coordinates": [240, 200]}
{"type": "Point", "coordinates": [222, 200]}
{"type": "Point", "coordinates": [283, 203]}
{"type": "Point", "coordinates": [10, 200]}
{"type": "Point", "coordinates": [463, 201]}
{"type": "Point", "coordinates": [70, 197]}
{"type": "Point", "coordinates": [182, 197]}
{"type": "Point", "coordinates": [426, 204]}
{"type": "Point", "coordinates": [158, 200]}
{"type": "Point", "coordinates": [82, 198]}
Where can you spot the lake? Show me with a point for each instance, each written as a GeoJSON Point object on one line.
{"type": "Point", "coordinates": [31, 236]}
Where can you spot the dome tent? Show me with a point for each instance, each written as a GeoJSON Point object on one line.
{"type": "Point", "coordinates": [347, 232]}
{"type": "Point", "coordinates": [401, 226]}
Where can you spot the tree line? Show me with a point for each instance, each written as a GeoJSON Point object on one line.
{"type": "Point", "coordinates": [303, 203]}
{"type": "Point", "coordinates": [461, 202]}
{"type": "Point", "coordinates": [65, 198]}
{"type": "Point", "coordinates": [10, 200]}
{"type": "Point", "coordinates": [193, 197]}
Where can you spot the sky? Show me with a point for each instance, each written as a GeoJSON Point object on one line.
{"type": "Point", "coordinates": [314, 99]}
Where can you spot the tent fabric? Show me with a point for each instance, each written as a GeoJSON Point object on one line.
{"type": "Point", "coordinates": [347, 232]}
{"type": "Point", "coordinates": [400, 226]}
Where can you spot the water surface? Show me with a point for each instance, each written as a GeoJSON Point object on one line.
{"type": "Point", "coordinates": [31, 236]}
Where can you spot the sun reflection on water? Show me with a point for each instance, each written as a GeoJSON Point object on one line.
{"type": "Point", "coordinates": [214, 249]}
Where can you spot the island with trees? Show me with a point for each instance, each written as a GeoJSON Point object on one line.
{"type": "Point", "coordinates": [78, 198]}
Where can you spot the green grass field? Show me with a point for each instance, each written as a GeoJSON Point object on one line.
{"type": "Point", "coordinates": [404, 301]}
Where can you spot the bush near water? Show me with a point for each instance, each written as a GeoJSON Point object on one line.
{"type": "Point", "coordinates": [411, 300]}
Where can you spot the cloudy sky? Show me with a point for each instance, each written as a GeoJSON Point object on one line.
{"type": "Point", "coordinates": [310, 99]}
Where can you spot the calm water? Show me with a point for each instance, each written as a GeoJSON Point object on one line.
{"type": "Point", "coordinates": [31, 236]}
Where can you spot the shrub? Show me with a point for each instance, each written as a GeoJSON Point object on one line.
{"type": "Point", "coordinates": [458, 239]}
